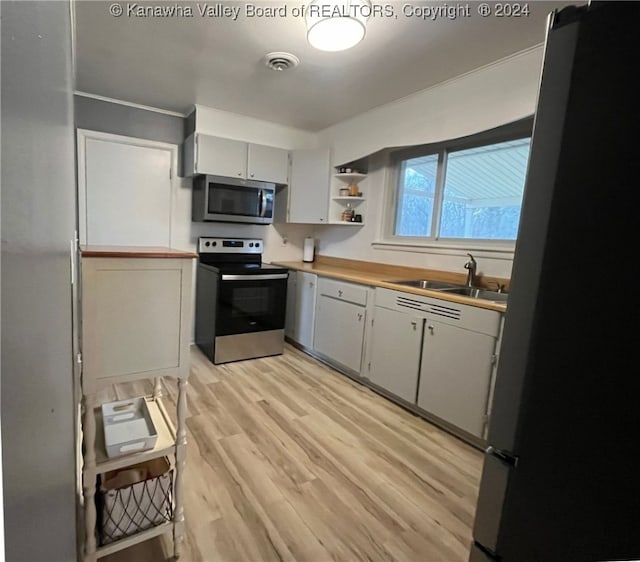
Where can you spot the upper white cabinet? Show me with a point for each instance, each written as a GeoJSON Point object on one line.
{"type": "Point", "coordinates": [206, 154]}
{"type": "Point", "coordinates": [220, 157]}
{"type": "Point", "coordinates": [309, 182]}
{"type": "Point", "coordinates": [267, 163]}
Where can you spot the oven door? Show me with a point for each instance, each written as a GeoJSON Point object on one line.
{"type": "Point", "coordinates": [239, 201]}
{"type": "Point", "coordinates": [251, 303]}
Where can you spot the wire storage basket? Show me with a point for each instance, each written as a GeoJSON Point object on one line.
{"type": "Point", "coordinates": [132, 500]}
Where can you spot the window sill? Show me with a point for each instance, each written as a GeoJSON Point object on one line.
{"type": "Point", "coordinates": [458, 248]}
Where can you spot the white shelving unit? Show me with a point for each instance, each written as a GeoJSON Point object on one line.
{"type": "Point", "coordinates": [136, 321]}
{"type": "Point", "coordinates": [339, 202]}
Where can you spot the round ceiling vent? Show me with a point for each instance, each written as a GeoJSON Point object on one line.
{"type": "Point", "coordinates": [281, 61]}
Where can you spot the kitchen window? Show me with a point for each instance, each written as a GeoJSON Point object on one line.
{"type": "Point", "coordinates": [465, 190]}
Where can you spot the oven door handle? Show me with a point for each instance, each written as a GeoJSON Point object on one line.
{"type": "Point", "coordinates": [255, 277]}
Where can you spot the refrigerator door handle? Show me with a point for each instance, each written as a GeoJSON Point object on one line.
{"type": "Point", "coordinates": [507, 458]}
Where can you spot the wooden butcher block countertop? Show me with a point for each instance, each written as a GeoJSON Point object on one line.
{"type": "Point", "coordinates": [379, 275]}
{"type": "Point", "coordinates": [133, 252]}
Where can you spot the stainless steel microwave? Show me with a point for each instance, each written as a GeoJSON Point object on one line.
{"type": "Point", "coordinates": [217, 198]}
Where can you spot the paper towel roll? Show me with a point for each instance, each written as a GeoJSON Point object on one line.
{"type": "Point", "coordinates": [309, 249]}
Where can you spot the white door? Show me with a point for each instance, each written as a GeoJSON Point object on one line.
{"type": "Point", "coordinates": [267, 163]}
{"type": "Point", "coordinates": [309, 186]}
{"type": "Point", "coordinates": [221, 157]}
{"type": "Point", "coordinates": [305, 308]}
{"type": "Point", "coordinates": [290, 319]}
{"type": "Point", "coordinates": [339, 332]}
{"type": "Point", "coordinates": [455, 375]}
{"type": "Point", "coordinates": [395, 354]}
{"type": "Point", "coordinates": [125, 194]}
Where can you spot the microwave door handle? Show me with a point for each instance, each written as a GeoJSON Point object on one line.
{"type": "Point", "coordinates": [263, 202]}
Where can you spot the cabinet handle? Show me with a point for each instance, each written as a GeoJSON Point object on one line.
{"type": "Point", "coordinates": [339, 293]}
{"type": "Point", "coordinates": [251, 175]}
{"type": "Point", "coordinates": [359, 317]}
{"type": "Point", "coordinates": [430, 328]}
{"type": "Point", "coordinates": [415, 325]}
{"type": "Point", "coordinates": [321, 219]}
{"type": "Point", "coordinates": [311, 284]}
{"type": "Point", "coordinates": [239, 173]}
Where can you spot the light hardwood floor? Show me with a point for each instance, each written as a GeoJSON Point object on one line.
{"type": "Point", "coordinates": [290, 461]}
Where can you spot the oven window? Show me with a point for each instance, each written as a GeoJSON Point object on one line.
{"type": "Point", "coordinates": [251, 306]}
{"type": "Point", "coordinates": [250, 301]}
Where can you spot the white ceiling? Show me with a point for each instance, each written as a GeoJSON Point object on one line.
{"type": "Point", "coordinates": [172, 63]}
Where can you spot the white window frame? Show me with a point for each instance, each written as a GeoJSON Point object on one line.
{"type": "Point", "coordinates": [387, 239]}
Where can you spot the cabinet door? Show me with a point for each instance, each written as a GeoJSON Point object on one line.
{"type": "Point", "coordinates": [136, 318]}
{"type": "Point", "coordinates": [306, 308]}
{"type": "Point", "coordinates": [455, 375]}
{"type": "Point", "coordinates": [309, 186]}
{"type": "Point", "coordinates": [221, 157]}
{"type": "Point", "coordinates": [125, 194]}
{"type": "Point", "coordinates": [267, 163]}
{"type": "Point", "coordinates": [290, 321]}
{"type": "Point", "coordinates": [340, 332]}
{"type": "Point", "coordinates": [395, 353]}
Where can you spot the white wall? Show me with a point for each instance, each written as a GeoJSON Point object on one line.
{"type": "Point", "coordinates": [480, 100]}
{"type": "Point", "coordinates": [38, 224]}
{"type": "Point", "coordinates": [249, 129]}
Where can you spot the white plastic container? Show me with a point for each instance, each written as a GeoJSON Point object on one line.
{"type": "Point", "coordinates": [128, 427]}
{"type": "Point", "coordinates": [308, 249]}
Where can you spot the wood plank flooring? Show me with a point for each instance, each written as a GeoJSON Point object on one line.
{"type": "Point", "coordinates": [290, 461]}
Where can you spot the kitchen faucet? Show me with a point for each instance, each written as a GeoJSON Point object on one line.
{"type": "Point", "coordinates": [471, 267]}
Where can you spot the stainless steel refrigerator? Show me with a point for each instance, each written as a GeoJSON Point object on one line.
{"type": "Point", "coordinates": [561, 478]}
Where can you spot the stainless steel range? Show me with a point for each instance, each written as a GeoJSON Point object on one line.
{"type": "Point", "coordinates": [240, 302]}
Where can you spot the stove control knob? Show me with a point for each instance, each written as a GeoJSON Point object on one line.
{"type": "Point", "coordinates": [207, 244]}
{"type": "Point", "coordinates": [214, 243]}
{"type": "Point", "coordinates": [257, 244]}
{"type": "Point", "coordinates": [250, 244]}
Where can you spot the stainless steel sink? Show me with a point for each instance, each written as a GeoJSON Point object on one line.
{"type": "Point", "coordinates": [426, 284]}
{"type": "Point", "coordinates": [476, 293]}
{"type": "Point", "coordinates": [454, 289]}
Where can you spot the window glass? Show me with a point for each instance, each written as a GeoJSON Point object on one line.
{"type": "Point", "coordinates": [416, 194]}
{"type": "Point", "coordinates": [483, 191]}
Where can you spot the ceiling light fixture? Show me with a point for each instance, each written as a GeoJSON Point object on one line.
{"type": "Point", "coordinates": [336, 26]}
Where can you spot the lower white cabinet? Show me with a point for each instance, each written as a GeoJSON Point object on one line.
{"type": "Point", "coordinates": [455, 376]}
{"type": "Point", "coordinates": [436, 354]}
{"type": "Point", "coordinates": [301, 307]}
{"type": "Point", "coordinates": [394, 360]}
{"type": "Point", "coordinates": [340, 323]}
{"type": "Point", "coordinates": [290, 318]}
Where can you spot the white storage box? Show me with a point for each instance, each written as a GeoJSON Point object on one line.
{"type": "Point", "coordinates": [133, 499]}
{"type": "Point", "coordinates": [128, 427]}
